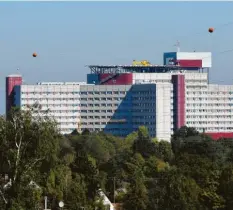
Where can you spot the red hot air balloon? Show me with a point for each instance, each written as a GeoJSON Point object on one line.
{"type": "Point", "coordinates": [211, 30]}
{"type": "Point", "coordinates": [34, 54]}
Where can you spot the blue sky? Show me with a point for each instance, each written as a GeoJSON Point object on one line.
{"type": "Point", "coordinates": [69, 35]}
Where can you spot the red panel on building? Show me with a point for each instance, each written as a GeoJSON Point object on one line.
{"type": "Point", "coordinates": [179, 100]}
{"type": "Point", "coordinates": [190, 63]}
{"type": "Point", "coordinates": [116, 79]}
{"type": "Point", "coordinates": [11, 82]}
{"type": "Point", "coordinates": [217, 136]}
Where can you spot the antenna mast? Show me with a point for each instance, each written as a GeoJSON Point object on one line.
{"type": "Point", "coordinates": [178, 46]}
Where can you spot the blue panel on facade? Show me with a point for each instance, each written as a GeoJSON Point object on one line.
{"type": "Point", "coordinates": [17, 96]}
{"type": "Point", "coordinates": [92, 79]}
{"type": "Point", "coordinates": [144, 107]}
{"type": "Point", "coordinates": [121, 121]}
{"type": "Point", "coordinates": [138, 108]}
{"type": "Point", "coordinates": [167, 56]}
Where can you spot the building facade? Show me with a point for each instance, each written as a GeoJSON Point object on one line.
{"type": "Point", "coordinates": [118, 109]}
{"type": "Point", "coordinates": [118, 99]}
{"type": "Point", "coordinates": [11, 82]}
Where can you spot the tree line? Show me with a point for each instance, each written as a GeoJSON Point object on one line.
{"type": "Point", "coordinates": [192, 172]}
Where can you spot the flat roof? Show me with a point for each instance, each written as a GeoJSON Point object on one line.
{"type": "Point", "coordinates": [61, 83]}
{"type": "Point", "coordinates": [14, 75]}
{"type": "Point", "coordinates": [135, 68]}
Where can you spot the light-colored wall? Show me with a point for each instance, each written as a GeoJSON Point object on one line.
{"type": "Point", "coordinates": [62, 101]}
{"type": "Point", "coordinates": [164, 114]}
{"type": "Point", "coordinates": [98, 109]}
{"type": "Point", "coordinates": [204, 56]}
{"type": "Point", "coordinates": [209, 107]}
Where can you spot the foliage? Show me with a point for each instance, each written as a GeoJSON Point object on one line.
{"type": "Point", "coordinates": [192, 172]}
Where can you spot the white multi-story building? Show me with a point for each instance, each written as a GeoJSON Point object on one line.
{"type": "Point", "coordinates": [119, 99]}
{"type": "Point", "coordinates": [60, 100]}
{"type": "Point", "coordinates": [119, 109]}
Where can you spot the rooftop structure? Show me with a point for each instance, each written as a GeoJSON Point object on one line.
{"type": "Point", "coordinates": [173, 61]}
{"type": "Point", "coordinates": [100, 69]}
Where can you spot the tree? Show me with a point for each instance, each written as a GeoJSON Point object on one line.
{"type": "Point", "coordinates": [76, 193]}
{"type": "Point", "coordinates": [86, 132]}
{"type": "Point", "coordinates": [75, 132]}
{"type": "Point", "coordinates": [206, 173]}
{"type": "Point", "coordinates": [29, 144]}
{"type": "Point", "coordinates": [226, 185]}
{"type": "Point", "coordinates": [178, 192]}
{"type": "Point", "coordinates": [179, 137]}
{"type": "Point", "coordinates": [137, 195]}
{"type": "Point", "coordinates": [143, 143]}
{"type": "Point", "coordinates": [164, 151]}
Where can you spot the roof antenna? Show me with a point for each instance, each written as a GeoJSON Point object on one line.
{"type": "Point", "coordinates": [177, 46]}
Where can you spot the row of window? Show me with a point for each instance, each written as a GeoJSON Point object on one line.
{"type": "Point", "coordinates": [50, 99]}
{"type": "Point", "coordinates": [53, 105]}
{"type": "Point", "coordinates": [101, 92]}
{"type": "Point", "coordinates": [97, 111]}
{"type": "Point", "coordinates": [211, 122]}
{"type": "Point", "coordinates": [201, 87]}
{"type": "Point", "coordinates": [208, 92]}
{"type": "Point", "coordinates": [151, 117]}
{"type": "Point", "coordinates": [62, 111]}
{"type": "Point", "coordinates": [209, 110]}
{"type": "Point", "coordinates": [143, 92]}
{"type": "Point", "coordinates": [121, 92]}
{"type": "Point", "coordinates": [144, 123]}
{"type": "Point", "coordinates": [208, 99]}
{"type": "Point", "coordinates": [49, 92]}
{"type": "Point", "coordinates": [98, 117]}
{"type": "Point", "coordinates": [196, 80]}
{"type": "Point", "coordinates": [104, 99]}
{"type": "Point", "coordinates": [104, 105]}
{"type": "Point", "coordinates": [93, 117]}
{"type": "Point", "coordinates": [142, 110]}
{"type": "Point", "coordinates": [144, 98]}
{"type": "Point", "coordinates": [209, 116]}
{"type": "Point", "coordinates": [93, 123]}
{"type": "Point", "coordinates": [72, 92]}
{"type": "Point", "coordinates": [213, 129]}
{"type": "Point", "coordinates": [210, 105]}
{"type": "Point", "coordinates": [144, 117]}
{"type": "Point", "coordinates": [141, 118]}
{"type": "Point", "coordinates": [68, 123]}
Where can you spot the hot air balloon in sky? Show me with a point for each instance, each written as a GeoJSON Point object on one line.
{"type": "Point", "coordinates": [211, 30]}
